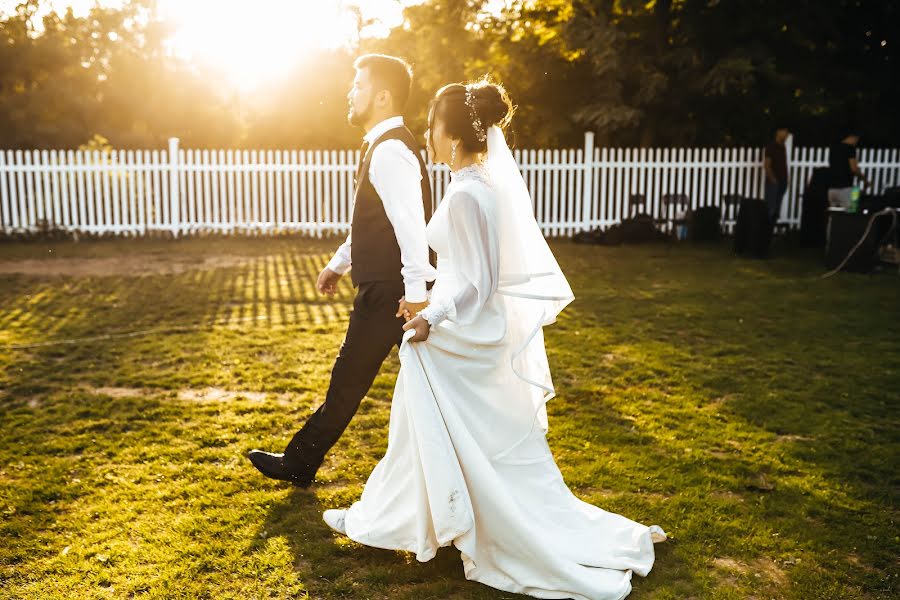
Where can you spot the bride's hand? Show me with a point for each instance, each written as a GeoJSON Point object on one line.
{"type": "Point", "coordinates": [421, 326]}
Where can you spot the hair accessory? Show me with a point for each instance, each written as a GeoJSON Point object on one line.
{"type": "Point", "coordinates": [476, 122]}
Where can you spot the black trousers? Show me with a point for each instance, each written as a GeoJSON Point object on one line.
{"type": "Point", "coordinates": [373, 331]}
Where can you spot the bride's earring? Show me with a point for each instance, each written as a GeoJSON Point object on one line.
{"type": "Point", "coordinates": [453, 156]}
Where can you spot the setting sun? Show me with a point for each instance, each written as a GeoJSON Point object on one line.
{"type": "Point", "coordinates": [251, 43]}
{"type": "Point", "coordinates": [254, 42]}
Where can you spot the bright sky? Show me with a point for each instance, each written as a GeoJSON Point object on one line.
{"type": "Point", "coordinates": [255, 41]}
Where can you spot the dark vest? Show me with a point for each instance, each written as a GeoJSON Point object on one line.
{"type": "Point", "coordinates": [374, 251]}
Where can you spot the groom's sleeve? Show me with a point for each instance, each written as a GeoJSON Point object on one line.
{"type": "Point", "coordinates": [340, 262]}
{"type": "Point", "coordinates": [395, 175]}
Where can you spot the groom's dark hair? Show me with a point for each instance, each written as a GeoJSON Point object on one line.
{"type": "Point", "coordinates": [388, 73]}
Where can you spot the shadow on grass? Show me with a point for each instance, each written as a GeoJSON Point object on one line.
{"type": "Point", "coordinates": [152, 330]}
{"type": "Point", "coordinates": [333, 566]}
{"type": "Point", "coordinates": [776, 385]}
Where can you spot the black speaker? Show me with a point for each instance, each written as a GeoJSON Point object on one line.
{"type": "Point", "coordinates": [752, 231]}
{"type": "Point", "coordinates": [814, 209]}
{"type": "Point", "coordinates": [844, 231]}
{"type": "Point", "coordinates": [890, 198]}
{"type": "Point", "coordinates": [704, 224]}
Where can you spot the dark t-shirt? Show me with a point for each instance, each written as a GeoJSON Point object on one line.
{"type": "Point", "coordinates": [778, 155]}
{"type": "Point", "coordinates": [840, 175]}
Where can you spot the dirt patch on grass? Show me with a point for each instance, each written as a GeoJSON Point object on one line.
{"type": "Point", "coordinates": [589, 491]}
{"type": "Point", "coordinates": [135, 265]}
{"type": "Point", "coordinates": [733, 570]}
{"type": "Point", "coordinates": [794, 438]}
{"type": "Point", "coordinates": [727, 496]}
{"type": "Point", "coordinates": [118, 392]}
{"type": "Point", "coordinates": [730, 569]}
{"type": "Point", "coordinates": [771, 571]}
{"type": "Point", "coordinates": [208, 394]}
{"type": "Point", "coordinates": [721, 454]}
{"type": "Point", "coordinates": [212, 394]}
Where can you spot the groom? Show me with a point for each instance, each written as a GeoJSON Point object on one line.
{"type": "Point", "coordinates": [389, 257]}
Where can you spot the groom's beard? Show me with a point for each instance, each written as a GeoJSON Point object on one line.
{"type": "Point", "coordinates": [358, 119]}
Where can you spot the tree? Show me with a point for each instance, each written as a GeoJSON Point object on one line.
{"type": "Point", "coordinates": [438, 38]}
{"type": "Point", "coordinates": [712, 72]}
{"type": "Point", "coordinates": [105, 73]}
{"type": "Point", "coordinates": [637, 72]}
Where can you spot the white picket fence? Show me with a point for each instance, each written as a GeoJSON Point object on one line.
{"type": "Point", "coordinates": [184, 191]}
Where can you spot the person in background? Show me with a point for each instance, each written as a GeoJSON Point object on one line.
{"type": "Point", "coordinates": [842, 168]}
{"type": "Point", "coordinates": [775, 163]}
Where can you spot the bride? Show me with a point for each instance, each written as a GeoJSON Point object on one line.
{"type": "Point", "coordinates": [467, 461]}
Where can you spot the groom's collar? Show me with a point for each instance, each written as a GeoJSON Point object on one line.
{"type": "Point", "coordinates": [382, 127]}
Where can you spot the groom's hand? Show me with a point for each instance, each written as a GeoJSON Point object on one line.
{"type": "Point", "coordinates": [421, 326]}
{"type": "Point", "coordinates": [408, 310]}
{"type": "Point", "coordinates": [327, 282]}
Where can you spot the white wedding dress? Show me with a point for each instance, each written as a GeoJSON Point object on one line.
{"type": "Point", "coordinates": [467, 461]}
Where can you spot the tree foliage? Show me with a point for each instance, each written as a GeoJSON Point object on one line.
{"type": "Point", "coordinates": [637, 72]}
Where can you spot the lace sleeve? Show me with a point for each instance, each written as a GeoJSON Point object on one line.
{"type": "Point", "coordinates": [474, 250]}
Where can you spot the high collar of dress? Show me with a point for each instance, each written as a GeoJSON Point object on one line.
{"type": "Point", "coordinates": [475, 171]}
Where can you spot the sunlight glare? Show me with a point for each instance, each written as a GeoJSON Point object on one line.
{"type": "Point", "coordinates": [255, 42]}
{"type": "Point", "coordinates": [251, 43]}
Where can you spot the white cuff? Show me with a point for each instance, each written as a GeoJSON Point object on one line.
{"type": "Point", "coordinates": [415, 291]}
{"type": "Point", "coordinates": [338, 265]}
{"type": "Point", "coordinates": [434, 314]}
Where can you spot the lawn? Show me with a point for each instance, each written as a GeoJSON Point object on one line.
{"type": "Point", "coordinates": [750, 408]}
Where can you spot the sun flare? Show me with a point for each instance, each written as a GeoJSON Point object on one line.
{"type": "Point", "coordinates": [251, 43]}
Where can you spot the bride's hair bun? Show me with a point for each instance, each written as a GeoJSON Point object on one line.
{"type": "Point", "coordinates": [491, 105]}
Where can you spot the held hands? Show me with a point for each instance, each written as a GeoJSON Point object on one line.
{"type": "Point", "coordinates": [421, 327]}
{"type": "Point", "coordinates": [327, 282]}
{"type": "Point", "coordinates": [408, 310]}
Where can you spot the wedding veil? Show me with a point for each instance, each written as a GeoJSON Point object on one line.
{"type": "Point", "coordinates": [530, 280]}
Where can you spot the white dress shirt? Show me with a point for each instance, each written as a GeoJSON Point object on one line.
{"type": "Point", "coordinates": [395, 175]}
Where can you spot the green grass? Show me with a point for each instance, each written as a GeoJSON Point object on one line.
{"type": "Point", "coordinates": [750, 408]}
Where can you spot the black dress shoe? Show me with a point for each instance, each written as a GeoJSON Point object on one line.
{"type": "Point", "coordinates": [272, 466]}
